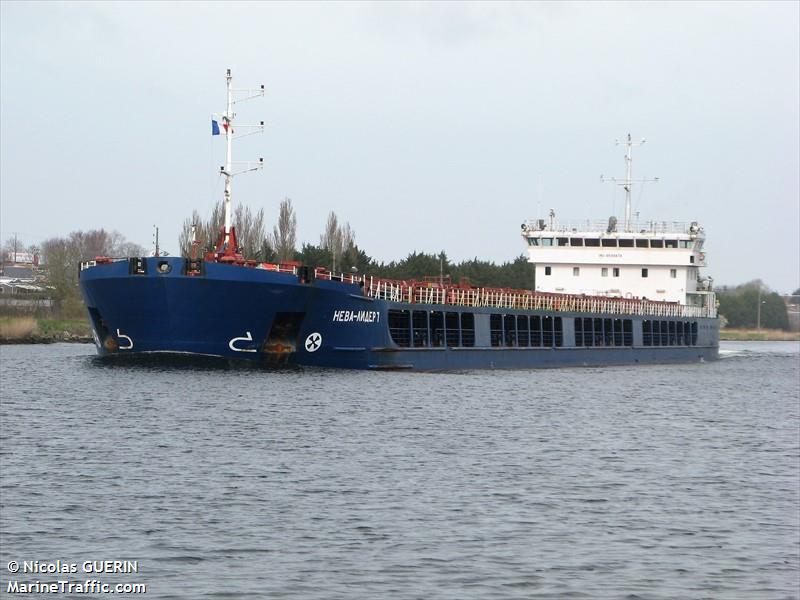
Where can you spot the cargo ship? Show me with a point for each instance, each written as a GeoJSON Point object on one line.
{"type": "Point", "coordinates": [602, 293]}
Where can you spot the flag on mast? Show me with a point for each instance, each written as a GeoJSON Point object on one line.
{"type": "Point", "coordinates": [215, 126]}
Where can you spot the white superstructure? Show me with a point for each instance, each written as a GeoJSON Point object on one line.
{"type": "Point", "coordinates": [653, 260]}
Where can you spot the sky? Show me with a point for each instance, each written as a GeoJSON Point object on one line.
{"type": "Point", "coordinates": [426, 126]}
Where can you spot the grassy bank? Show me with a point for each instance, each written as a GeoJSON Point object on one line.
{"type": "Point", "coordinates": [758, 335]}
{"type": "Point", "coordinates": [31, 330]}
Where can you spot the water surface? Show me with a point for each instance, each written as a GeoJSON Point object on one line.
{"type": "Point", "coordinates": [627, 482]}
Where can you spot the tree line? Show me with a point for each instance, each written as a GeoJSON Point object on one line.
{"type": "Point", "coordinates": [338, 251]}
{"type": "Point", "coordinates": [739, 305]}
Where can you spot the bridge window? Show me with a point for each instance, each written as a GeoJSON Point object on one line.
{"type": "Point", "coordinates": [592, 242]}
{"type": "Point", "coordinates": [400, 327]}
{"type": "Point", "coordinates": [420, 325]}
{"type": "Point", "coordinates": [609, 242]}
{"type": "Point", "coordinates": [642, 243]}
{"type": "Point", "coordinates": [533, 241]}
{"type": "Point", "coordinates": [656, 243]}
{"type": "Point", "coordinates": [576, 242]}
{"type": "Point", "coordinates": [562, 241]}
{"type": "Point", "coordinates": [625, 243]}
{"type": "Point", "coordinates": [452, 329]}
{"type": "Point", "coordinates": [671, 243]}
{"type": "Point", "coordinates": [547, 241]}
{"type": "Point", "coordinates": [684, 243]}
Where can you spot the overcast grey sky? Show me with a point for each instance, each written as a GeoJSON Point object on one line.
{"type": "Point", "coordinates": [426, 126]}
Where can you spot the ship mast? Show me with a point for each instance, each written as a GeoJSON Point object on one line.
{"type": "Point", "coordinates": [627, 183]}
{"type": "Point", "coordinates": [227, 246]}
{"type": "Point", "coordinates": [228, 126]}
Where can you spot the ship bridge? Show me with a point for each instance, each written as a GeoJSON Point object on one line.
{"type": "Point", "coordinates": [654, 260]}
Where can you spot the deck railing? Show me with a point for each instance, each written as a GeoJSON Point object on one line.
{"type": "Point", "coordinates": [523, 300]}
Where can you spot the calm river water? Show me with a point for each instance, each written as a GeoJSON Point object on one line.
{"type": "Point", "coordinates": [641, 482]}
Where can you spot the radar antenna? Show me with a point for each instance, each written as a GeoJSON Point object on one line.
{"type": "Point", "coordinates": [628, 182]}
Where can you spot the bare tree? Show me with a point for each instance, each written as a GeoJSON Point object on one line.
{"type": "Point", "coordinates": [337, 239]}
{"type": "Point", "coordinates": [284, 234]}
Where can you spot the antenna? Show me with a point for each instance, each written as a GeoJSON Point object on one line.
{"type": "Point", "coordinates": [628, 182]}
{"type": "Point", "coordinates": [227, 170]}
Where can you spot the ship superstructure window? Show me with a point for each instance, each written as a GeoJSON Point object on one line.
{"type": "Point", "coordinates": [576, 242]}
{"type": "Point", "coordinates": [644, 272]}
{"type": "Point", "coordinates": [609, 242]}
{"type": "Point", "coordinates": [669, 333]}
{"type": "Point", "coordinates": [691, 259]}
{"type": "Point", "coordinates": [670, 243]}
{"type": "Point", "coordinates": [656, 243]}
{"type": "Point", "coordinates": [685, 243]}
{"type": "Point", "coordinates": [625, 243]}
{"type": "Point", "coordinates": [642, 243]}
{"type": "Point", "coordinates": [547, 241]}
{"type": "Point", "coordinates": [604, 272]}
{"type": "Point", "coordinates": [563, 241]}
{"type": "Point", "coordinates": [576, 271]}
{"type": "Point", "coordinates": [533, 241]}
{"type": "Point", "coordinates": [673, 273]}
{"type": "Point", "coordinates": [400, 327]}
{"type": "Point", "coordinates": [603, 332]}
{"type": "Point", "coordinates": [592, 242]}
{"type": "Point", "coordinates": [548, 270]}
{"type": "Point", "coordinates": [616, 271]}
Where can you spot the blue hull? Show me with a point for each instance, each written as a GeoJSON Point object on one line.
{"type": "Point", "coordinates": [276, 318]}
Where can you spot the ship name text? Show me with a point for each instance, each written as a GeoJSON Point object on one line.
{"type": "Point", "coordinates": [356, 316]}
